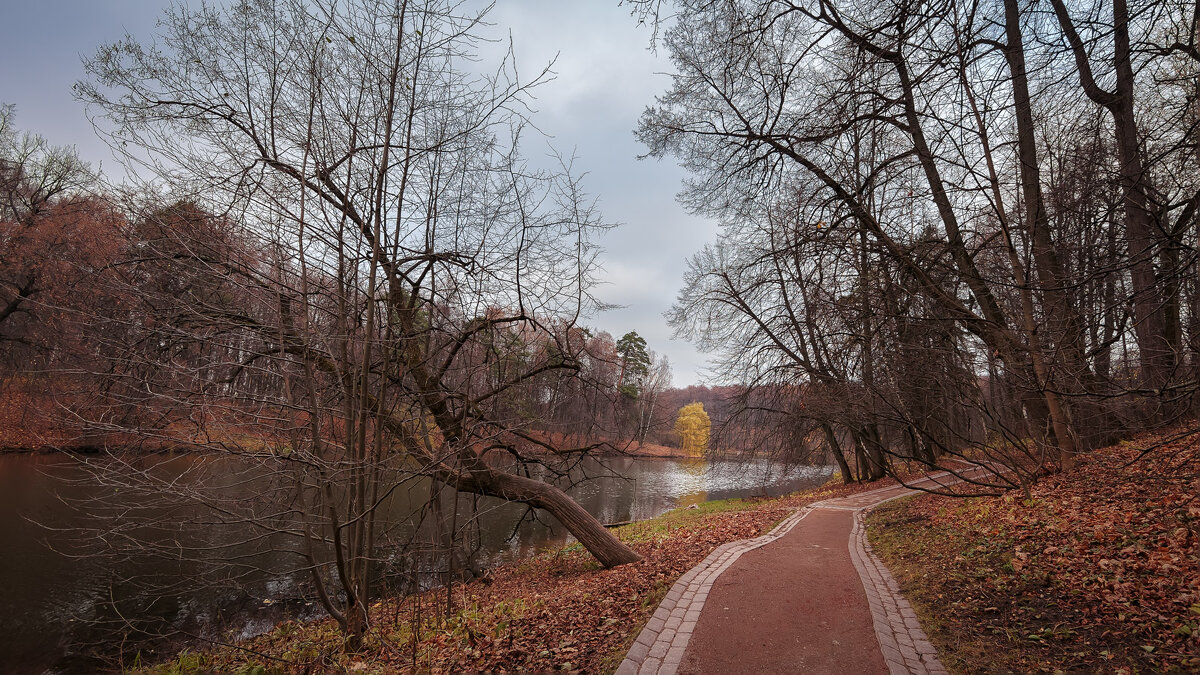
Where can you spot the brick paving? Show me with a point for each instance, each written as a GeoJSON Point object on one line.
{"type": "Point", "coordinates": [660, 647]}
{"type": "Point", "coordinates": [906, 649]}
{"type": "Point", "coordinates": [661, 644]}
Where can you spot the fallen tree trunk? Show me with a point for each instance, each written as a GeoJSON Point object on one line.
{"type": "Point", "coordinates": [582, 525]}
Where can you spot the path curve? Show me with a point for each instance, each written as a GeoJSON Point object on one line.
{"type": "Point", "coordinates": [762, 612]}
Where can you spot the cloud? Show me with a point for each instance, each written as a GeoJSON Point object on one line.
{"type": "Point", "coordinates": [605, 78]}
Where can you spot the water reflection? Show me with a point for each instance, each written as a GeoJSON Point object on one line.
{"type": "Point", "coordinates": [52, 597]}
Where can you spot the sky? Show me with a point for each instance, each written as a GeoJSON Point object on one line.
{"type": "Point", "coordinates": [605, 76]}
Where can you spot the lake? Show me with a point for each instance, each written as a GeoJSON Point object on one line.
{"type": "Point", "coordinates": [62, 596]}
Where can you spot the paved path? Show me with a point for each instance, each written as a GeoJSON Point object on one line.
{"type": "Point", "coordinates": [798, 599]}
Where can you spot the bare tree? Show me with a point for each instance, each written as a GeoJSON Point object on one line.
{"type": "Point", "coordinates": [879, 171]}
{"type": "Point", "coordinates": [348, 303]}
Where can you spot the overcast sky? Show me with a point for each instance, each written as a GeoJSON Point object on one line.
{"type": "Point", "coordinates": [606, 76]}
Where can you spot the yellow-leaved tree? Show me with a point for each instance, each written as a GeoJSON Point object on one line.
{"type": "Point", "coordinates": [693, 426]}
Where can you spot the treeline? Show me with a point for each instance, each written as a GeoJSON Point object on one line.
{"type": "Point", "coordinates": [341, 277]}
{"type": "Point", "coordinates": [947, 227]}
{"type": "Point", "coordinates": [138, 323]}
{"type": "Point", "coordinates": [124, 321]}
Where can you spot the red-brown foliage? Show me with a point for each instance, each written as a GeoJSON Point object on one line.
{"type": "Point", "coordinates": [1099, 571]}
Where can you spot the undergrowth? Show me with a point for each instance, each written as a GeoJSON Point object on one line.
{"type": "Point", "coordinates": [1097, 572]}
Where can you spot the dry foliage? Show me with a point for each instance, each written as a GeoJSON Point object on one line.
{"type": "Point", "coordinates": [557, 611]}
{"type": "Point", "coordinates": [1097, 572]}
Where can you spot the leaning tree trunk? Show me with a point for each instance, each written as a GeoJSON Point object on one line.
{"type": "Point", "coordinates": [582, 525]}
{"type": "Point", "coordinates": [835, 449]}
{"type": "Point", "coordinates": [474, 476]}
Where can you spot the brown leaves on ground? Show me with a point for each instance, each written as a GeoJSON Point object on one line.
{"type": "Point", "coordinates": [558, 611]}
{"type": "Point", "coordinates": [1098, 572]}
{"type": "Point", "coordinates": [23, 421]}
{"type": "Point", "coordinates": [578, 616]}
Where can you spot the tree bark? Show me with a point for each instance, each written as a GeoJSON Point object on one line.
{"type": "Point", "coordinates": [1150, 317]}
{"type": "Point", "coordinates": [582, 525]}
{"type": "Point", "coordinates": [1049, 268]}
{"type": "Point", "coordinates": [835, 449]}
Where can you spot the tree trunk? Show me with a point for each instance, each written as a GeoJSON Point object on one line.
{"type": "Point", "coordinates": [355, 627]}
{"type": "Point", "coordinates": [875, 452]}
{"type": "Point", "coordinates": [835, 449]}
{"type": "Point", "coordinates": [1150, 323]}
{"type": "Point", "coordinates": [582, 525]}
{"type": "Point", "coordinates": [869, 454]}
{"type": "Point", "coordinates": [1069, 369]}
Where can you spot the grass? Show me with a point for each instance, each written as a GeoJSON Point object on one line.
{"type": "Point", "coordinates": [556, 611]}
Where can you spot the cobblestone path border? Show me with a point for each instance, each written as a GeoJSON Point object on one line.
{"type": "Point", "coordinates": [906, 648]}
{"type": "Point", "coordinates": [660, 647]}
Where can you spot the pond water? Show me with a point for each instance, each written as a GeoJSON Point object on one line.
{"type": "Point", "coordinates": [61, 599]}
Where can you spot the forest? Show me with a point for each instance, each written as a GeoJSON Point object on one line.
{"type": "Point", "coordinates": [948, 231]}
{"type": "Point", "coordinates": [947, 227]}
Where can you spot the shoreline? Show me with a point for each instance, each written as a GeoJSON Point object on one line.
{"type": "Point", "coordinates": [95, 449]}
{"type": "Point", "coordinates": [530, 595]}
{"type": "Point", "coordinates": [560, 611]}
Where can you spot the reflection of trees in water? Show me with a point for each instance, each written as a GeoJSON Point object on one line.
{"type": "Point", "coordinates": [629, 489]}
{"type": "Point", "coordinates": [691, 475]}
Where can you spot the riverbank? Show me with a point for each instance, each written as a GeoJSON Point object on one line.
{"type": "Point", "coordinates": [26, 433]}
{"type": "Point", "coordinates": [1098, 572]}
{"type": "Point", "coordinates": [556, 611]}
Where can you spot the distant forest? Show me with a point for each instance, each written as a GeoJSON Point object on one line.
{"type": "Point", "coordinates": [124, 323]}
{"type": "Point", "coordinates": [948, 231]}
